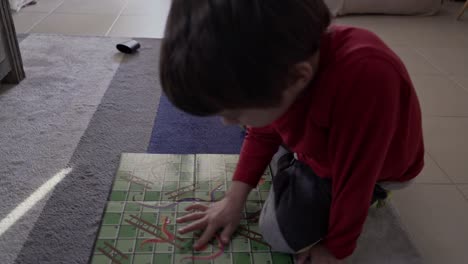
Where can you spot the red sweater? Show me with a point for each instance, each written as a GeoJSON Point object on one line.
{"type": "Point", "coordinates": [358, 123]}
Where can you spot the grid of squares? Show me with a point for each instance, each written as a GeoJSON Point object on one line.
{"type": "Point", "coordinates": [146, 181]}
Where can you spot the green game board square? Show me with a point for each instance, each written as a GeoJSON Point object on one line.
{"type": "Point", "coordinates": [203, 195]}
{"type": "Point", "coordinates": [186, 195]}
{"type": "Point", "coordinates": [111, 218]}
{"type": "Point", "coordinates": [172, 176]}
{"type": "Point", "coordinates": [143, 234]}
{"type": "Point", "coordinates": [149, 217]}
{"type": "Point", "coordinates": [115, 206]}
{"type": "Point", "coordinates": [100, 259]}
{"type": "Point", "coordinates": [170, 186]}
{"type": "Point", "coordinates": [187, 167]}
{"type": "Point", "coordinates": [137, 187]}
{"type": "Point", "coordinates": [243, 222]}
{"type": "Point", "coordinates": [281, 258]}
{"type": "Point", "coordinates": [261, 258]}
{"type": "Point", "coordinates": [120, 185]}
{"type": "Point", "coordinates": [118, 195]}
{"type": "Point", "coordinates": [149, 209]}
{"type": "Point", "coordinates": [108, 231]}
{"type": "Point", "coordinates": [164, 248]}
{"type": "Point", "coordinates": [127, 216]}
{"type": "Point", "coordinates": [217, 176]}
{"type": "Point", "coordinates": [185, 183]}
{"type": "Point", "coordinates": [152, 196]}
{"type": "Point", "coordinates": [254, 227]}
{"type": "Point", "coordinates": [126, 245]}
{"type": "Point", "coordinates": [166, 197]}
{"type": "Point", "coordinates": [230, 166]}
{"type": "Point", "coordinates": [124, 175]}
{"type": "Point", "coordinates": [198, 261]}
{"type": "Point", "coordinates": [173, 167]}
{"type": "Point", "coordinates": [162, 259]}
{"type": "Point", "coordinates": [263, 196]}
{"type": "Point", "coordinates": [219, 184]}
{"type": "Point", "coordinates": [228, 247]}
{"type": "Point", "coordinates": [127, 231]}
{"type": "Point", "coordinates": [218, 195]}
{"type": "Point", "coordinates": [240, 245]}
{"type": "Point", "coordinates": [142, 259]}
{"type": "Point", "coordinates": [266, 186]}
{"type": "Point", "coordinates": [223, 259]}
{"type": "Point", "coordinates": [171, 229]}
{"type": "Point", "coordinates": [186, 176]}
{"type": "Point", "coordinates": [253, 196]}
{"type": "Point", "coordinates": [132, 207]}
{"type": "Point", "coordinates": [100, 243]}
{"type": "Point", "coordinates": [203, 186]}
{"type": "Point", "coordinates": [241, 258]}
{"type": "Point", "coordinates": [187, 247]}
{"type": "Point", "coordinates": [128, 260]}
{"type": "Point", "coordinates": [135, 196]}
{"type": "Point", "coordinates": [182, 259]}
{"type": "Point", "coordinates": [169, 215]}
{"type": "Point", "coordinates": [256, 246]}
{"type": "Point", "coordinates": [252, 207]}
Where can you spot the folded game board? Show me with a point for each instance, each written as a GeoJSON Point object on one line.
{"type": "Point", "coordinates": [151, 190]}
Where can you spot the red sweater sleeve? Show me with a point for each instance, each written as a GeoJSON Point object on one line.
{"type": "Point", "coordinates": [260, 144]}
{"type": "Point", "coordinates": [364, 119]}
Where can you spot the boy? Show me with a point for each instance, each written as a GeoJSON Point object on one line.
{"type": "Point", "coordinates": [337, 97]}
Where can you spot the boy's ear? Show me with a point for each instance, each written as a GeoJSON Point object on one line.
{"type": "Point", "coordinates": [300, 76]}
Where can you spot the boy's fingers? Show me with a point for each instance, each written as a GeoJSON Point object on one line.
{"type": "Point", "coordinates": [206, 236]}
{"type": "Point", "coordinates": [198, 207]}
{"type": "Point", "coordinates": [190, 217]}
{"type": "Point", "coordinates": [200, 224]}
{"type": "Point", "coordinates": [227, 233]}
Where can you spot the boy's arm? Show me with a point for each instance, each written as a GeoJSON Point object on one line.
{"type": "Point", "coordinates": [260, 145]}
{"type": "Point", "coordinates": [364, 118]}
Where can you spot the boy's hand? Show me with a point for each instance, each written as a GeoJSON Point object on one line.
{"type": "Point", "coordinates": [224, 214]}
{"type": "Point", "coordinates": [318, 255]}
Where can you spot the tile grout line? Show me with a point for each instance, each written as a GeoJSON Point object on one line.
{"type": "Point", "coordinates": [117, 18]}
{"type": "Point", "coordinates": [430, 61]}
{"type": "Point", "coordinates": [46, 16]}
{"type": "Point", "coordinates": [462, 193]}
{"type": "Point", "coordinates": [451, 77]}
{"type": "Point", "coordinates": [438, 165]}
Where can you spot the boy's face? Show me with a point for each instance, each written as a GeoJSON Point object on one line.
{"type": "Point", "coordinates": [260, 117]}
{"type": "Point", "coordinates": [256, 117]}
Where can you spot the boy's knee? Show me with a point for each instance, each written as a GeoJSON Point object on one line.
{"type": "Point", "coordinates": [269, 228]}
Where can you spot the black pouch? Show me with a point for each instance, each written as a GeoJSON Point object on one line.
{"type": "Point", "coordinates": [302, 203]}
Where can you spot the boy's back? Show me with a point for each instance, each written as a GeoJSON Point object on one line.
{"type": "Point", "coordinates": [358, 123]}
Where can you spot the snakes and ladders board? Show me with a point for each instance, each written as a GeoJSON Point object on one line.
{"type": "Point", "coordinates": [151, 190]}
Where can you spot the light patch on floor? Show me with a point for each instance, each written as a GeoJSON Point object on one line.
{"type": "Point", "coordinates": [32, 200]}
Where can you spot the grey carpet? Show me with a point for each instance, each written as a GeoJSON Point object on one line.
{"type": "Point", "coordinates": [384, 240]}
{"type": "Point", "coordinates": [45, 117]}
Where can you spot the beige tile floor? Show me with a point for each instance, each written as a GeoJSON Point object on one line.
{"type": "Point", "coordinates": [435, 50]}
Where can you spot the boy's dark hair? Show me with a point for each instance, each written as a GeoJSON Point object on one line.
{"type": "Point", "coordinates": [233, 54]}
